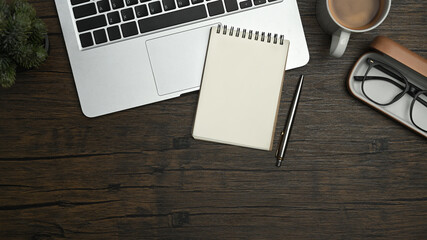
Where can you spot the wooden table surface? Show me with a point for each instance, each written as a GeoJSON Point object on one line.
{"type": "Point", "coordinates": [350, 172]}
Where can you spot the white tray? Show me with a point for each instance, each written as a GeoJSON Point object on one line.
{"type": "Point", "coordinates": [398, 110]}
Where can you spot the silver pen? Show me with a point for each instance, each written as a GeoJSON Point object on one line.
{"type": "Point", "coordinates": [280, 154]}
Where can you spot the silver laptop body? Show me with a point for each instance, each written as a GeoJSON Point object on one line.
{"type": "Point", "coordinates": [162, 63]}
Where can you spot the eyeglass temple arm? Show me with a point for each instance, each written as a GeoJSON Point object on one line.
{"type": "Point", "coordinates": [397, 77]}
{"type": "Point", "coordinates": [386, 71]}
{"type": "Point", "coordinates": [422, 101]}
{"type": "Point", "coordinates": [360, 78]}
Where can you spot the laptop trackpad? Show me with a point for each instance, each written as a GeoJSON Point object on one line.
{"type": "Point", "coordinates": [177, 60]}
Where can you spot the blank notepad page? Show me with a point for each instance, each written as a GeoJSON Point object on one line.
{"type": "Point", "coordinates": [241, 88]}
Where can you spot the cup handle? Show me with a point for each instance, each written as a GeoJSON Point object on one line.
{"type": "Point", "coordinates": [339, 43]}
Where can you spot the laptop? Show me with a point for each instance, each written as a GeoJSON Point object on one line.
{"type": "Point", "coordinates": [129, 53]}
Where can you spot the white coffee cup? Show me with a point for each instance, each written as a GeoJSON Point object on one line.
{"type": "Point", "coordinates": [339, 23]}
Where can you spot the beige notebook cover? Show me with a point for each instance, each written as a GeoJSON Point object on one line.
{"type": "Point", "coordinates": [241, 88]}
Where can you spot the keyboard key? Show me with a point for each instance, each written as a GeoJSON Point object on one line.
{"type": "Point", "coordinates": [231, 5]}
{"type": "Point", "coordinates": [86, 40]}
{"type": "Point", "coordinates": [183, 3]}
{"type": "Point", "coordinates": [117, 4]}
{"type": "Point", "coordinates": [141, 11]}
{"type": "Point", "coordinates": [129, 29]}
{"type": "Point", "coordinates": [196, 1]}
{"type": "Point", "coordinates": [75, 2]}
{"type": "Point", "coordinates": [91, 23]}
{"type": "Point", "coordinates": [114, 33]}
{"type": "Point", "coordinates": [155, 7]}
{"type": "Point", "coordinates": [100, 36]}
{"type": "Point", "coordinates": [245, 4]}
{"type": "Point", "coordinates": [215, 8]}
{"type": "Point", "coordinates": [84, 10]}
{"type": "Point", "coordinates": [258, 2]}
{"type": "Point", "coordinates": [127, 14]}
{"type": "Point", "coordinates": [143, 1]}
{"type": "Point", "coordinates": [113, 18]}
{"type": "Point", "coordinates": [103, 6]}
{"type": "Point", "coordinates": [131, 2]}
{"type": "Point", "coordinates": [172, 18]}
{"type": "Point", "coordinates": [168, 4]}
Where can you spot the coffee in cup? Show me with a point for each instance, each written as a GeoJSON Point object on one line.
{"type": "Point", "coordinates": [356, 14]}
{"type": "Point", "coordinates": [341, 17]}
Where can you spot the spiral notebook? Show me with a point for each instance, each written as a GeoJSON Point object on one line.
{"type": "Point", "coordinates": [241, 87]}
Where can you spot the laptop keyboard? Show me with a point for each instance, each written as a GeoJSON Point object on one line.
{"type": "Point", "coordinates": [100, 22]}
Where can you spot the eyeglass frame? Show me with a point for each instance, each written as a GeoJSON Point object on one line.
{"type": "Point", "coordinates": [409, 88]}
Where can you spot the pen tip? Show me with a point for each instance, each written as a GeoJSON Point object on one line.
{"type": "Point", "coordinates": [279, 163]}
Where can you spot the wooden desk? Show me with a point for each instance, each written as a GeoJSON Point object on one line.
{"type": "Point", "coordinates": [350, 172]}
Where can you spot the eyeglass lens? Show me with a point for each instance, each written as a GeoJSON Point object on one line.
{"type": "Point", "coordinates": [383, 87]}
{"type": "Point", "coordinates": [419, 111]}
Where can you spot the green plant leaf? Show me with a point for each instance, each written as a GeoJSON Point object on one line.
{"type": "Point", "coordinates": [39, 31]}
{"type": "Point", "coordinates": [30, 56]}
{"type": "Point", "coordinates": [23, 7]}
{"type": "Point", "coordinates": [4, 12]}
{"type": "Point", "coordinates": [7, 72]}
{"type": "Point", "coordinates": [21, 39]}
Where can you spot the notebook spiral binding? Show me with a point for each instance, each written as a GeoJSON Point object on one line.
{"type": "Point", "coordinates": [276, 39]}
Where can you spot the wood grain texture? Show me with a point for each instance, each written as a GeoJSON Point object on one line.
{"type": "Point", "coordinates": [350, 172]}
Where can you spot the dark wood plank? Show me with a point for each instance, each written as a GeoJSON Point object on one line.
{"type": "Point", "coordinates": [350, 173]}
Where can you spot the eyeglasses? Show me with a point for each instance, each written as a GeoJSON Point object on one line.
{"type": "Point", "coordinates": [388, 89]}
